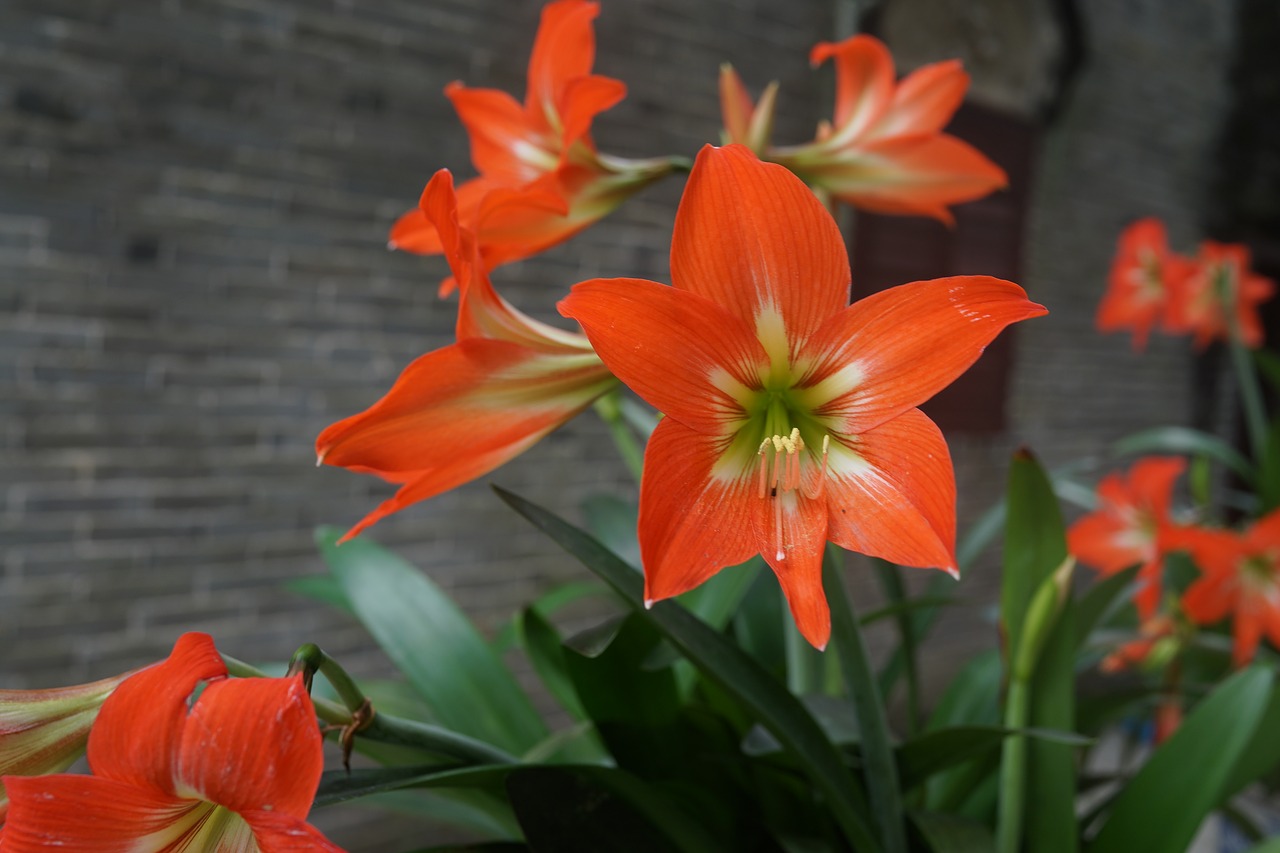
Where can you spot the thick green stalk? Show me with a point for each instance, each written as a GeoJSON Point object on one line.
{"type": "Point", "coordinates": [1255, 415]}
{"type": "Point", "coordinates": [879, 765]}
{"type": "Point", "coordinates": [610, 411]}
{"type": "Point", "coordinates": [1013, 767]}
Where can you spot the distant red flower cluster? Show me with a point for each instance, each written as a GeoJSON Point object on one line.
{"type": "Point", "coordinates": [1239, 570]}
{"type": "Point", "coordinates": [1213, 296]}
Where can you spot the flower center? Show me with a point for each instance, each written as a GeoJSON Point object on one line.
{"type": "Point", "coordinates": [781, 461]}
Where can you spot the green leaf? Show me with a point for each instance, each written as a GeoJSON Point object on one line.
{"type": "Point", "coordinates": [1035, 546]}
{"type": "Point", "coordinates": [1188, 776]}
{"type": "Point", "coordinates": [718, 599]}
{"type": "Point", "coordinates": [723, 663]}
{"type": "Point", "coordinates": [546, 605]}
{"type": "Point", "coordinates": [934, 752]}
{"type": "Point", "coordinates": [944, 833]}
{"type": "Point", "coordinates": [339, 786]}
{"type": "Point", "coordinates": [1263, 752]}
{"type": "Point", "coordinates": [433, 644]}
{"type": "Point", "coordinates": [591, 809]}
{"type": "Point", "coordinates": [1098, 601]}
{"type": "Point", "coordinates": [1269, 471]}
{"type": "Point", "coordinates": [322, 588]}
{"type": "Point", "coordinates": [879, 769]}
{"type": "Point", "coordinates": [1185, 440]}
{"type": "Point", "coordinates": [612, 521]}
{"type": "Point", "coordinates": [541, 643]}
{"type": "Point", "coordinates": [481, 813]}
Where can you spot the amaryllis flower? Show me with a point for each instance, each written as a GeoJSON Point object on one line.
{"type": "Point", "coordinates": [790, 414]}
{"type": "Point", "coordinates": [45, 731]}
{"type": "Point", "coordinates": [183, 758]}
{"type": "Point", "coordinates": [541, 178]}
{"type": "Point", "coordinates": [459, 412]}
{"type": "Point", "coordinates": [1217, 296]}
{"type": "Point", "coordinates": [1240, 578]}
{"type": "Point", "coordinates": [885, 150]}
{"type": "Point", "coordinates": [1130, 526]}
{"type": "Point", "coordinates": [1152, 633]}
{"type": "Point", "coordinates": [1142, 282]}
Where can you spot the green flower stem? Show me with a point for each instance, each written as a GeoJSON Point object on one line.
{"type": "Point", "coordinates": [313, 659]}
{"type": "Point", "coordinates": [1042, 615]}
{"type": "Point", "coordinates": [402, 732]}
{"type": "Point", "coordinates": [609, 409]}
{"type": "Point", "coordinates": [1013, 767]}
{"type": "Point", "coordinates": [895, 590]}
{"type": "Point", "coordinates": [1255, 416]}
{"type": "Point", "coordinates": [877, 746]}
{"type": "Point", "coordinates": [396, 731]}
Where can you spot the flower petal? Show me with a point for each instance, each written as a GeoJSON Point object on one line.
{"type": "Point", "coordinates": [564, 48]}
{"type": "Point", "coordinates": [915, 175]}
{"type": "Point", "coordinates": [895, 349]}
{"type": "Point", "coordinates": [281, 833]}
{"type": "Point", "coordinates": [891, 493]}
{"type": "Point", "coordinates": [924, 101]}
{"type": "Point", "coordinates": [791, 533]}
{"type": "Point", "coordinates": [694, 521]}
{"type": "Point", "coordinates": [252, 744]}
{"type": "Point", "coordinates": [682, 353]}
{"type": "Point", "coordinates": [459, 412]}
{"type": "Point", "coordinates": [89, 814]}
{"type": "Point", "coordinates": [135, 737]}
{"type": "Point", "coordinates": [753, 238]}
{"type": "Point", "coordinates": [864, 82]}
{"type": "Point", "coordinates": [504, 147]}
{"type": "Point", "coordinates": [585, 98]}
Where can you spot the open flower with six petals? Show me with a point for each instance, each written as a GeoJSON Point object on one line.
{"type": "Point", "coordinates": [1240, 578]}
{"type": "Point", "coordinates": [1131, 526]}
{"type": "Point", "coordinates": [1143, 281]}
{"type": "Point", "coordinates": [183, 758]}
{"type": "Point", "coordinates": [541, 178]}
{"type": "Point", "coordinates": [885, 150]}
{"type": "Point", "coordinates": [791, 415]}
{"type": "Point", "coordinates": [1217, 296]}
{"type": "Point", "coordinates": [461, 411]}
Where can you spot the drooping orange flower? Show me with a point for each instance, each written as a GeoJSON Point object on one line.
{"type": "Point", "coordinates": [45, 731]}
{"type": "Point", "coordinates": [1217, 296]}
{"type": "Point", "coordinates": [183, 758]}
{"type": "Point", "coordinates": [541, 178]}
{"type": "Point", "coordinates": [790, 414]}
{"type": "Point", "coordinates": [459, 412]}
{"type": "Point", "coordinates": [1141, 286]}
{"type": "Point", "coordinates": [1240, 578]}
{"type": "Point", "coordinates": [1130, 526]}
{"type": "Point", "coordinates": [885, 150]}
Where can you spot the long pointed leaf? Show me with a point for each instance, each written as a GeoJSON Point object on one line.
{"type": "Point", "coordinates": [1162, 807]}
{"type": "Point", "coordinates": [725, 664]}
{"type": "Point", "coordinates": [434, 644]}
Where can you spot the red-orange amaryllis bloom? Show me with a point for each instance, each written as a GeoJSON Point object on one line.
{"type": "Point", "coordinates": [1217, 296]}
{"type": "Point", "coordinates": [1141, 285]}
{"type": "Point", "coordinates": [541, 178]}
{"type": "Point", "coordinates": [1240, 578]}
{"type": "Point", "coordinates": [459, 412]}
{"type": "Point", "coordinates": [183, 758]}
{"type": "Point", "coordinates": [885, 150]}
{"type": "Point", "coordinates": [1130, 526]}
{"type": "Point", "coordinates": [791, 415]}
{"type": "Point", "coordinates": [45, 731]}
